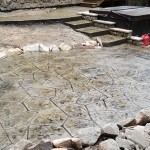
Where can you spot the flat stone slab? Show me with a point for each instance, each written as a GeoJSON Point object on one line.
{"type": "Point", "coordinates": [93, 31]}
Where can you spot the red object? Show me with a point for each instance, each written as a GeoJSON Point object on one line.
{"type": "Point", "coordinates": [146, 40]}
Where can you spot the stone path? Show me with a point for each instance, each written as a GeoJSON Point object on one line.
{"type": "Point", "coordinates": [52, 95]}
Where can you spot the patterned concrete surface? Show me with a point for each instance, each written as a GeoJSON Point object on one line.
{"type": "Point", "coordinates": [52, 95]}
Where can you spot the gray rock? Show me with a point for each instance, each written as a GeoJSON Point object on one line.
{"type": "Point", "coordinates": [54, 48]}
{"type": "Point", "coordinates": [143, 117]}
{"type": "Point", "coordinates": [147, 148]}
{"type": "Point", "coordinates": [127, 122]}
{"type": "Point", "coordinates": [32, 48]}
{"type": "Point", "coordinates": [109, 145]}
{"type": "Point", "coordinates": [124, 143]}
{"type": "Point", "coordinates": [147, 128]}
{"type": "Point", "coordinates": [138, 136]}
{"type": "Point", "coordinates": [44, 48]}
{"type": "Point", "coordinates": [111, 129]}
{"type": "Point", "coordinates": [44, 144]}
{"type": "Point", "coordinates": [22, 145]}
{"type": "Point", "coordinates": [90, 135]}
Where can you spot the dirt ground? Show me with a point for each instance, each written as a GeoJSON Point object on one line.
{"type": "Point", "coordinates": [21, 35]}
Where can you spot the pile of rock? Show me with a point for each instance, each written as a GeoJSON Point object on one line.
{"type": "Point", "coordinates": [129, 134]}
{"type": "Point", "coordinates": [37, 47]}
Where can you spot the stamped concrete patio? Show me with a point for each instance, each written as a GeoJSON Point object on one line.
{"type": "Point", "coordinates": [52, 95]}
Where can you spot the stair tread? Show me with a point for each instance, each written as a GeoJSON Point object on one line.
{"type": "Point", "coordinates": [121, 30]}
{"type": "Point", "coordinates": [91, 29]}
{"type": "Point", "coordinates": [78, 22]}
{"type": "Point", "coordinates": [104, 22]}
{"type": "Point", "coordinates": [110, 38]}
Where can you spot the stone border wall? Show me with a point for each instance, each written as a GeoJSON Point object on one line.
{"type": "Point", "coordinates": [6, 5]}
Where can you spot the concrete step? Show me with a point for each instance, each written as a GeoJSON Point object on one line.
{"type": "Point", "coordinates": [104, 24]}
{"type": "Point", "coordinates": [120, 32]}
{"type": "Point", "coordinates": [79, 24]}
{"type": "Point", "coordinates": [93, 31]}
{"type": "Point", "coordinates": [88, 16]}
{"type": "Point", "coordinates": [111, 40]}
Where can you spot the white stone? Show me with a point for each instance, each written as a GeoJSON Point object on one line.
{"type": "Point", "coordinates": [64, 47]}
{"type": "Point", "coordinates": [138, 136]}
{"type": "Point", "coordinates": [111, 129]}
{"type": "Point", "coordinates": [124, 143]}
{"type": "Point", "coordinates": [32, 48]}
{"type": "Point", "coordinates": [54, 48]}
{"type": "Point", "coordinates": [44, 144]}
{"type": "Point", "coordinates": [14, 51]}
{"type": "Point", "coordinates": [44, 48]}
{"type": "Point", "coordinates": [3, 54]}
{"type": "Point", "coordinates": [109, 145]}
{"type": "Point", "coordinates": [143, 117]}
{"type": "Point", "coordinates": [147, 128]}
{"type": "Point", "coordinates": [22, 145]}
{"type": "Point", "coordinates": [94, 43]}
{"type": "Point", "coordinates": [90, 135]}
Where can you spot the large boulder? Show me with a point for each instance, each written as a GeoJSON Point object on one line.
{"type": "Point", "coordinates": [138, 136]}
{"type": "Point", "coordinates": [109, 145]}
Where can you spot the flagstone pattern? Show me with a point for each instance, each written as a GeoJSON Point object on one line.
{"type": "Point", "coordinates": [52, 95]}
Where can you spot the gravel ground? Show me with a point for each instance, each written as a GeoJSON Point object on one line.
{"type": "Point", "coordinates": [21, 35]}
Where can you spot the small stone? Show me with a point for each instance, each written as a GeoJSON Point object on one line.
{"type": "Point", "coordinates": [90, 135]}
{"type": "Point", "coordinates": [147, 128]}
{"type": "Point", "coordinates": [32, 48]}
{"type": "Point", "coordinates": [124, 143]}
{"type": "Point", "coordinates": [64, 142]}
{"type": "Point", "coordinates": [54, 48]}
{"type": "Point", "coordinates": [65, 47]}
{"type": "Point", "coordinates": [14, 51]}
{"type": "Point", "coordinates": [44, 144]}
{"type": "Point", "coordinates": [92, 43]}
{"type": "Point", "coordinates": [143, 117]}
{"type": "Point", "coordinates": [44, 48]}
{"type": "Point", "coordinates": [3, 54]}
{"type": "Point", "coordinates": [111, 129]}
{"type": "Point", "coordinates": [138, 136]}
{"type": "Point", "coordinates": [109, 145]}
{"type": "Point", "coordinates": [99, 41]}
{"type": "Point", "coordinates": [22, 145]}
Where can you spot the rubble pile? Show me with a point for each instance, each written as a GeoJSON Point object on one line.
{"type": "Point", "coordinates": [129, 134]}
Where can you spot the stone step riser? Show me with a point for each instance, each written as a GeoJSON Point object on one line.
{"type": "Point", "coordinates": [94, 34]}
{"type": "Point", "coordinates": [103, 25]}
{"type": "Point", "coordinates": [90, 18]}
{"type": "Point", "coordinates": [80, 25]}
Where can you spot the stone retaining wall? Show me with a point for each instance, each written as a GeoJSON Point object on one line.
{"type": "Point", "coordinates": [21, 4]}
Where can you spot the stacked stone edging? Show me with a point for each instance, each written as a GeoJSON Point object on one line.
{"type": "Point", "coordinates": [129, 134]}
